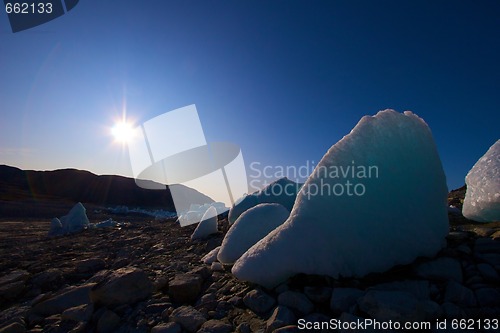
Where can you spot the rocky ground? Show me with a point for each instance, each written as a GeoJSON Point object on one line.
{"type": "Point", "coordinates": [148, 276]}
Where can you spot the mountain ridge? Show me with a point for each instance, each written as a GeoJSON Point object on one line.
{"type": "Point", "coordinates": [74, 185]}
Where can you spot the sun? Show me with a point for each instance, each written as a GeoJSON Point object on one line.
{"type": "Point", "coordinates": [124, 132]}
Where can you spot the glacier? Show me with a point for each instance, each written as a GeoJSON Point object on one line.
{"type": "Point", "coordinates": [482, 198]}
{"type": "Point", "coordinates": [353, 224]}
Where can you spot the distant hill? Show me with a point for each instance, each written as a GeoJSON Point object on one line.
{"type": "Point", "coordinates": [71, 186]}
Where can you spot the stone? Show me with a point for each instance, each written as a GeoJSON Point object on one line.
{"type": "Point", "coordinates": [431, 310]}
{"type": "Point", "coordinates": [13, 284]}
{"type": "Point", "coordinates": [126, 285]}
{"type": "Point", "coordinates": [167, 328]}
{"type": "Point", "coordinates": [108, 322]}
{"type": "Point", "coordinates": [258, 301]}
{"type": "Point", "coordinates": [489, 273]}
{"type": "Point", "coordinates": [488, 297]}
{"type": "Point", "coordinates": [49, 279]}
{"type": "Point", "coordinates": [12, 290]}
{"type": "Point", "coordinates": [486, 245]}
{"type": "Point", "coordinates": [211, 256]}
{"type": "Point", "coordinates": [482, 198]}
{"type": "Point", "coordinates": [15, 276]}
{"type": "Point", "coordinates": [216, 267]}
{"type": "Point", "coordinates": [14, 314]}
{"type": "Point", "coordinates": [243, 328]}
{"type": "Point", "coordinates": [78, 313]}
{"type": "Point", "coordinates": [391, 305]}
{"type": "Point", "coordinates": [296, 301]}
{"type": "Point", "coordinates": [318, 294]}
{"type": "Point", "coordinates": [13, 328]}
{"type": "Point", "coordinates": [492, 258]}
{"type": "Point", "coordinates": [451, 310]}
{"type": "Point", "coordinates": [215, 326]}
{"type": "Point", "coordinates": [483, 231]}
{"type": "Point", "coordinates": [344, 298]}
{"type": "Point", "coordinates": [161, 284]}
{"type": "Point", "coordinates": [458, 294]}
{"type": "Point", "coordinates": [188, 317]}
{"type": "Point", "coordinates": [90, 265]}
{"type": "Point", "coordinates": [282, 316]}
{"type": "Point", "coordinates": [65, 299]}
{"type": "Point", "coordinates": [287, 329]}
{"type": "Point", "coordinates": [157, 307]}
{"type": "Point", "coordinates": [442, 269]}
{"type": "Point", "coordinates": [202, 271]}
{"type": "Point", "coordinates": [346, 317]}
{"type": "Point", "coordinates": [185, 288]}
{"type": "Point", "coordinates": [418, 288]}
{"type": "Point", "coordinates": [457, 236]}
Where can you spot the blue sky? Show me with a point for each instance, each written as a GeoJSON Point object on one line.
{"type": "Point", "coordinates": [284, 80]}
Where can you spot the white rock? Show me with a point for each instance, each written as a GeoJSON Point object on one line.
{"type": "Point", "coordinates": [482, 198]}
{"type": "Point", "coordinates": [368, 206]}
{"type": "Point", "coordinates": [207, 226]}
{"type": "Point", "coordinates": [253, 225]}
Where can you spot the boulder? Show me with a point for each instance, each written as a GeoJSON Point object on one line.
{"type": "Point", "coordinates": [126, 285]}
{"type": "Point", "coordinates": [185, 288]}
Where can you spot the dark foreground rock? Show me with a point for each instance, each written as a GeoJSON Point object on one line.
{"type": "Point", "coordinates": [149, 277]}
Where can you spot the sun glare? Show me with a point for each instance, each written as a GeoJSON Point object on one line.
{"type": "Point", "coordinates": [123, 132]}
